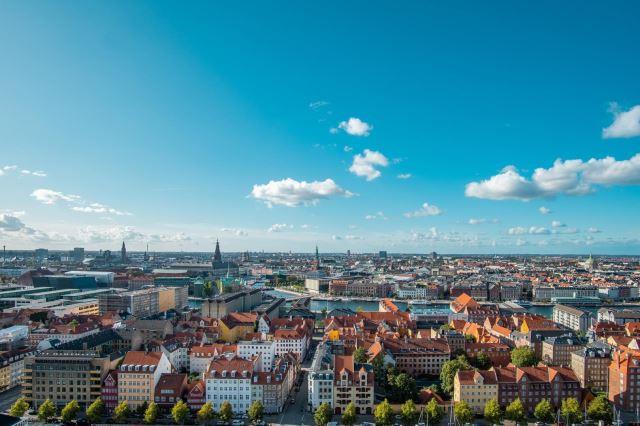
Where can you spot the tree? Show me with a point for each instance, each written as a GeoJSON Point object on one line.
{"type": "Point", "coordinates": [482, 361]}
{"type": "Point", "coordinates": [349, 416]}
{"type": "Point", "coordinates": [544, 412]}
{"type": "Point", "coordinates": [449, 370]}
{"type": "Point", "coordinates": [95, 410]}
{"type": "Point", "coordinates": [206, 413]}
{"type": "Point", "coordinates": [515, 411]}
{"type": "Point", "coordinates": [524, 356]}
{"type": "Point", "coordinates": [383, 413]}
{"type": "Point", "coordinates": [463, 412]}
{"type": "Point", "coordinates": [180, 412]}
{"type": "Point", "coordinates": [207, 289]}
{"type": "Point", "coordinates": [492, 411]}
{"type": "Point", "coordinates": [19, 407]}
{"type": "Point", "coordinates": [600, 409]}
{"type": "Point", "coordinates": [142, 409]}
{"type": "Point", "coordinates": [70, 411]}
{"type": "Point", "coordinates": [404, 387]}
{"type": "Point", "coordinates": [570, 410]}
{"type": "Point", "coordinates": [360, 355]}
{"type": "Point", "coordinates": [226, 411]}
{"type": "Point", "coordinates": [151, 414]}
{"type": "Point", "coordinates": [379, 372]}
{"type": "Point", "coordinates": [256, 410]}
{"type": "Point", "coordinates": [409, 413]}
{"type": "Point", "coordinates": [434, 411]}
{"type": "Point", "coordinates": [323, 414]}
{"type": "Point", "coordinates": [47, 411]}
{"type": "Point", "coordinates": [121, 412]}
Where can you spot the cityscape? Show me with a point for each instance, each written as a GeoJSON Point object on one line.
{"type": "Point", "coordinates": [319, 213]}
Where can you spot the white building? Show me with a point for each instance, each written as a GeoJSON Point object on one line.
{"type": "Point", "coordinates": [320, 381]}
{"type": "Point", "coordinates": [248, 349]}
{"type": "Point", "coordinates": [572, 318]}
{"type": "Point", "coordinates": [290, 340]}
{"type": "Point", "coordinates": [229, 379]}
{"type": "Point", "coordinates": [178, 355]}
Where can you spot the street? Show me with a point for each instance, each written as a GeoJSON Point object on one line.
{"type": "Point", "coordinates": [7, 398]}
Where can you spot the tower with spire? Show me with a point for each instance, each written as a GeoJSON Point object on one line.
{"type": "Point", "coordinates": [123, 253]}
{"type": "Point", "coordinates": [317, 258]}
{"type": "Point", "coordinates": [217, 256]}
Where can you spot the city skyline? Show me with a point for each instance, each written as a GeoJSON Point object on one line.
{"type": "Point", "coordinates": [281, 127]}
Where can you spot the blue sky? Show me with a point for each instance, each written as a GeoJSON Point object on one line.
{"type": "Point", "coordinates": [279, 126]}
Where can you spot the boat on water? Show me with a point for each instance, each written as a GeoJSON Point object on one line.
{"type": "Point", "coordinates": [523, 303]}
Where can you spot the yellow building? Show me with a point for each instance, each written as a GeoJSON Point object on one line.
{"type": "Point", "coordinates": [236, 326]}
{"type": "Point", "coordinates": [138, 376]}
{"type": "Point", "coordinates": [166, 299]}
{"type": "Point", "coordinates": [476, 387]}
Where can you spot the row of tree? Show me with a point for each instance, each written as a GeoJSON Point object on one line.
{"type": "Point", "coordinates": [383, 413]}
{"type": "Point", "coordinates": [180, 411]}
{"type": "Point", "coordinates": [599, 409]}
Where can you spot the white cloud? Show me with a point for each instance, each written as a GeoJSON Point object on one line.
{"type": "Point", "coordinates": [99, 208]}
{"type": "Point", "coordinates": [336, 237]}
{"type": "Point", "coordinates": [626, 124]}
{"type": "Point", "coordinates": [593, 230]}
{"type": "Point", "coordinates": [292, 193]}
{"type": "Point", "coordinates": [377, 215]}
{"type": "Point", "coordinates": [365, 164]}
{"type": "Point", "coordinates": [570, 177]}
{"type": "Point", "coordinates": [49, 196]}
{"type": "Point", "coordinates": [348, 148]}
{"type": "Point", "coordinates": [432, 234]}
{"type": "Point", "coordinates": [316, 105]}
{"type": "Point", "coordinates": [426, 210]}
{"type": "Point", "coordinates": [305, 226]}
{"type": "Point", "coordinates": [235, 231]}
{"type": "Point", "coordinates": [279, 227]}
{"type": "Point", "coordinates": [38, 173]}
{"type": "Point", "coordinates": [557, 224]}
{"type": "Point", "coordinates": [533, 230]}
{"type": "Point", "coordinates": [404, 176]}
{"type": "Point", "coordinates": [352, 237]}
{"type": "Point", "coordinates": [354, 127]}
{"type": "Point", "coordinates": [564, 230]}
{"type": "Point", "coordinates": [474, 221]}
{"type": "Point", "coordinates": [7, 169]}
{"type": "Point", "coordinates": [544, 210]}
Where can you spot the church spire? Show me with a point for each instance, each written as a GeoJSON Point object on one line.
{"type": "Point", "coordinates": [123, 253]}
{"type": "Point", "coordinates": [217, 256]}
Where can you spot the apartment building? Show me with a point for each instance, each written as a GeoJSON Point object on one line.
{"type": "Point", "coordinates": [557, 350]}
{"type": "Point", "coordinates": [418, 356]}
{"type": "Point", "coordinates": [570, 317]}
{"type": "Point", "coordinates": [624, 380]}
{"type": "Point", "coordinates": [171, 388]}
{"type": "Point", "coordinates": [273, 387]}
{"type": "Point", "coordinates": [533, 384]}
{"type": "Point", "coordinates": [138, 376]}
{"type": "Point", "coordinates": [591, 365]}
{"type": "Point", "coordinates": [320, 380]}
{"type": "Point", "coordinates": [200, 356]}
{"type": "Point", "coordinates": [229, 379]}
{"type": "Point", "coordinates": [476, 387]}
{"type": "Point", "coordinates": [353, 382]}
{"type": "Point", "coordinates": [109, 392]}
{"type": "Point", "coordinates": [265, 349]}
{"type": "Point", "coordinates": [65, 375]}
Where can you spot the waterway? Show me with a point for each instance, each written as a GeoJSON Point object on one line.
{"type": "Point", "coordinates": [370, 305]}
{"type": "Point", "coordinates": [365, 305]}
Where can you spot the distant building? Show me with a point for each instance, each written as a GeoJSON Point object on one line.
{"type": "Point", "coordinates": [617, 316]}
{"type": "Point", "coordinates": [557, 350]}
{"type": "Point", "coordinates": [476, 387]}
{"type": "Point", "coordinates": [382, 254]}
{"type": "Point", "coordinates": [60, 282]}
